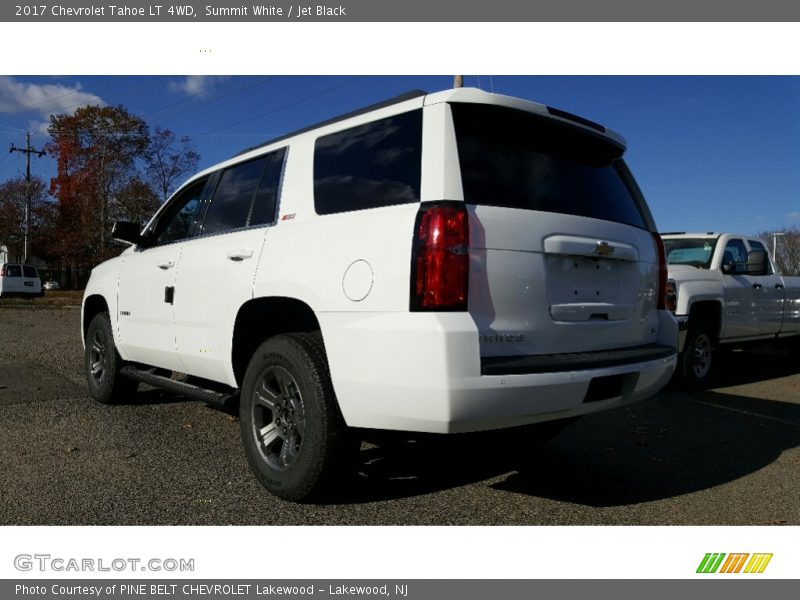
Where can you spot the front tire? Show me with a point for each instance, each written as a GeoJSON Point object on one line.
{"type": "Point", "coordinates": [103, 363]}
{"type": "Point", "coordinates": [697, 359]}
{"type": "Point", "coordinates": [293, 433]}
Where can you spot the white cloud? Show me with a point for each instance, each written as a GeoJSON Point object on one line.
{"type": "Point", "coordinates": [195, 84]}
{"type": "Point", "coordinates": [45, 99]}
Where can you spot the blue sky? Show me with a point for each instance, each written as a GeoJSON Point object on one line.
{"type": "Point", "coordinates": [710, 153]}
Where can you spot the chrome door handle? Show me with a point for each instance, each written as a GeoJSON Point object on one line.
{"type": "Point", "coordinates": [166, 265]}
{"type": "Point", "coordinates": [757, 286]}
{"type": "Point", "coordinates": [239, 255]}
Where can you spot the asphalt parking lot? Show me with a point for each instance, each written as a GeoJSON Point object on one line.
{"type": "Point", "coordinates": [723, 456]}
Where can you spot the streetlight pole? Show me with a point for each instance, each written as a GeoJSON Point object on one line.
{"type": "Point", "coordinates": [775, 247]}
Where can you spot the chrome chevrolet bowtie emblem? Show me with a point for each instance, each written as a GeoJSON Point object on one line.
{"type": "Point", "coordinates": [604, 249]}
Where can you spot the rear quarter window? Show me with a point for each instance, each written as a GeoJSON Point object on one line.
{"type": "Point", "coordinates": [520, 160]}
{"type": "Point", "coordinates": [368, 166]}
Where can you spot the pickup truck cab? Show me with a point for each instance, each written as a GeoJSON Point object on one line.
{"type": "Point", "coordinates": [725, 290]}
{"type": "Point", "coordinates": [439, 263]}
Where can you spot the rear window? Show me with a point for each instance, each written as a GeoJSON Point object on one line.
{"type": "Point", "coordinates": [29, 271]}
{"type": "Point", "coordinates": [520, 160]}
{"type": "Point", "coordinates": [13, 271]}
{"type": "Point", "coordinates": [372, 165]}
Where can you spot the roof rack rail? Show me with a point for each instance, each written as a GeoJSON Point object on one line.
{"type": "Point", "coordinates": [383, 104]}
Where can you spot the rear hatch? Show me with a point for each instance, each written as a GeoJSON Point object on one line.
{"type": "Point", "coordinates": [562, 255]}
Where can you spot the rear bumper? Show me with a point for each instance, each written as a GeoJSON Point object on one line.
{"type": "Point", "coordinates": [558, 363]}
{"type": "Point", "coordinates": [422, 372]}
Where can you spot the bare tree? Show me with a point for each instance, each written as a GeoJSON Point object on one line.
{"type": "Point", "coordinates": [136, 202]}
{"type": "Point", "coordinates": [169, 160]}
{"type": "Point", "coordinates": [13, 194]}
{"type": "Point", "coordinates": [787, 243]}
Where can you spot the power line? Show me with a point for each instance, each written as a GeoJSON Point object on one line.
{"type": "Point", "coordinates": [290, 105]}
{"type": "Point", "coordinates": [204, 101]}
{"type": "Point", "coordinates": [182, 100]}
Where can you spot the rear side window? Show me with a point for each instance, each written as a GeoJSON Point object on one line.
{"type": "Point", "coordinates": [246, 194]}
{"type": "Point", "coordinates": [372, 165]}
{"type": "Point", "coordinates": [521, 160]}
{"type": "Point", "coordinates": [29, 271]}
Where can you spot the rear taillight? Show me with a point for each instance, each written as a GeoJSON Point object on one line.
{"type": "Point", "coordinates": [439, 258]}
{"type": "Point", "coordinates": [3, 271]}
{"type": "Point", "coordinates": [672, 296]}
{"type": "Point", "coordinates": [662, 272]}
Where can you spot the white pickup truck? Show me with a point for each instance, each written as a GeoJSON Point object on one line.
{"type": "Point", "coordinates": [724, 289]}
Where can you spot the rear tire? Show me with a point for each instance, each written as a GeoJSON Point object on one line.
{"type": "Point", "coordinates": [103, 363]}
{"type": "Point", "coordinates": [697, 358]}
{"type": "Point", "coordinates": [293, 433]}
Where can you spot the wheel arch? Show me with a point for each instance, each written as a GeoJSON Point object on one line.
{"type": "Point", "coordinates": [261, 318]}
{"type": "Point", "coordinates": [93, 305]}
{"type": "Point", "coordinates": [707, 311]}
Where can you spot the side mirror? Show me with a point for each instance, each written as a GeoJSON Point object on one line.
{"type": "Point", "coordinates": [727, 269]}
{"type": "Point", "coordinates": [757, 263]}
{"type": "Point", "coordinates": [125, 231]}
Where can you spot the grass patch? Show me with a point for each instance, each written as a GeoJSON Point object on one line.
{"type": "Point", "coordinates": [50, 298]}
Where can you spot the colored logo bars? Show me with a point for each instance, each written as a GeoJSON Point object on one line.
{"type": "Point", "coordinates": [713, 563]}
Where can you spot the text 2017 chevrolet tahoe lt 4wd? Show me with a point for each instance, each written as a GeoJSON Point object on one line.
{"type": "Point", "coordinates": [443, 263]}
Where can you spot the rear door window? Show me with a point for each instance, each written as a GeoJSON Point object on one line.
{"type": "Point", "coordinates": [246, 195]}
{"type": "Point", "coordinates": [368, 166]}
{"type": "Point", "coordinates": [29, 271]}
{"type": "Point", "coordinates": [13, 271]}
{"type": "Point", "coordinates": [521, 160]}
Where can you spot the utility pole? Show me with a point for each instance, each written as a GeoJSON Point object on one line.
{"type": "Point", "coordinates": [28, 151]}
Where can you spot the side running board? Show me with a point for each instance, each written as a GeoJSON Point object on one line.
{"type": "Point", "coordinates": [195, 392]}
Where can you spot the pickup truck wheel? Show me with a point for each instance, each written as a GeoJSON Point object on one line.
{"type": "Point", "coordinates": [293, 433]}
{"type": "Point", "coordinates": [103, 364]}
{"type": "Point", "coordinates": [698, 355]}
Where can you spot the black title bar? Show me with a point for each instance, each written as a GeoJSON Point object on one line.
{"type": "Point", "coordinates": [405, 11]}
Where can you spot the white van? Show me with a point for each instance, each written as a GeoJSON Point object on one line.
{"type": "Point", "coordinates": [19, 280]}
{"type": "Point", "coordinates": [441, 263]}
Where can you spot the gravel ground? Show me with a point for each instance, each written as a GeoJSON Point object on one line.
{"type": "Point", "coordinates": [725, 456]}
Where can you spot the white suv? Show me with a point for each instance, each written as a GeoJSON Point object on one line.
{"type": "Point", "coordinates": [443, 263]}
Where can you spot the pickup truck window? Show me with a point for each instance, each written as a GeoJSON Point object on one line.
{"type": "Point", "coordinates": [696, 252]}
{"type": "Point", "coordinates": [735, 252]}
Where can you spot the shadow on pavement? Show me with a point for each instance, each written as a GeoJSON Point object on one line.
{"type": "Point", "coordinates": [675, 444]}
